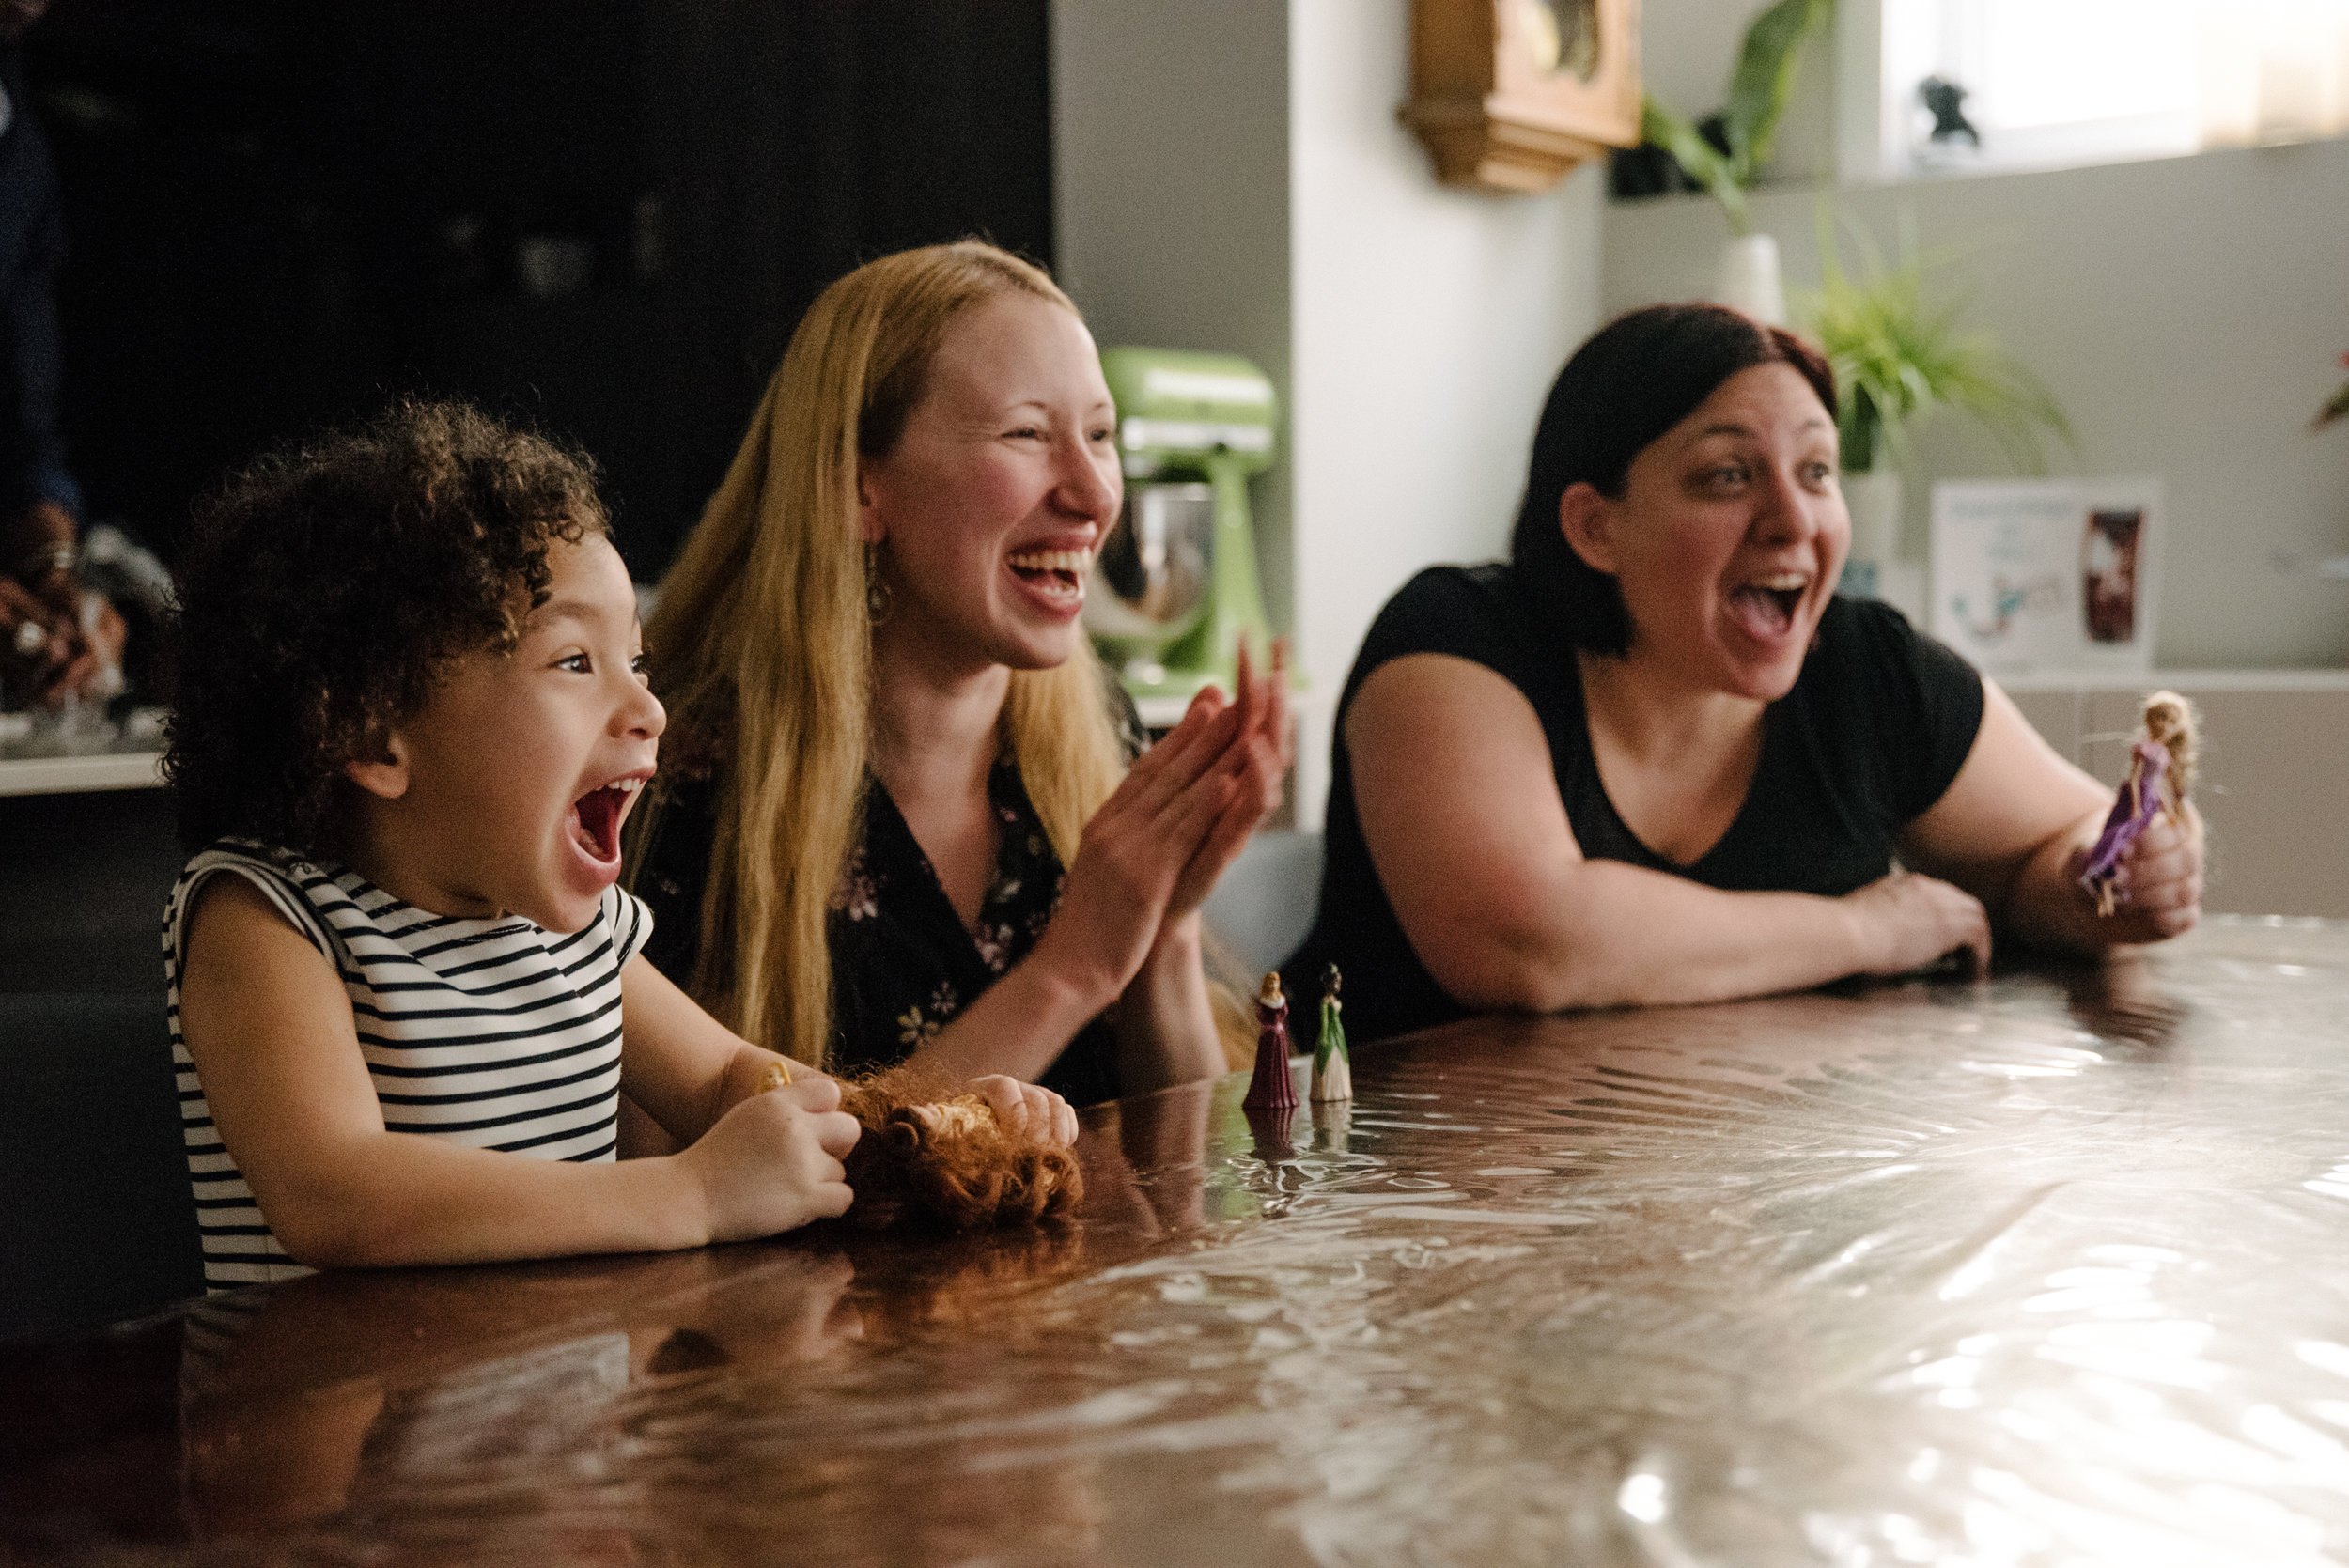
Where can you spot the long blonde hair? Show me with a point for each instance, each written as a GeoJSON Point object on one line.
{"type": "Point", "coordinates": [765, 650]}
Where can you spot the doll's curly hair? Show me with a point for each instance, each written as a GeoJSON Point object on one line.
{"type": "Point", "coordinates": [933, 1157]}
{"type": "Point", "coordinates": [328, 587]}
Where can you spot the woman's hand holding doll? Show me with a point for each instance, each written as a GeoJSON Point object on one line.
{"type": "Point", "coordinates": [2157, 886]}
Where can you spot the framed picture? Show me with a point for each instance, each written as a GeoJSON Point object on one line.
{"type": "Point", "coordinates": [2047, 574]}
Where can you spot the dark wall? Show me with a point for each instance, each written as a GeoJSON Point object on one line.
{"type": "Point", "coordinates": [283, 212]}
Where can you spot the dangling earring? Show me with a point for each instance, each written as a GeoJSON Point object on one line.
{"type": "Point", "coordinates": [876, 590]}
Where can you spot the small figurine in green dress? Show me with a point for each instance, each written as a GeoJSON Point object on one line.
{"type": "Point", "coordinates": [1333, 1073]}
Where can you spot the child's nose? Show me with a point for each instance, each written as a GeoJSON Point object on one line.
{"type": "Point", "coordinates": [642, 715]}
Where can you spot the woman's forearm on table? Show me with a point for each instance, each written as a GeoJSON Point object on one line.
{"type": "Point", "coordinates": [1165, 1025]}
{"type": "Point", "coordinates": [2045, 906]}
{"type": "Point", "coordinates": [1020, 1024]}
{"type": "Point", "coordinates": [1614, 935]}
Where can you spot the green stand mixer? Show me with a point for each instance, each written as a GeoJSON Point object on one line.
{"type": "Point", "coordinates": [1174, 587]}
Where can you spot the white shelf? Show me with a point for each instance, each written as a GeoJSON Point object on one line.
{"type": "Point", "coordinates": [2178, 680]}
{"type": "Point", "coordinates": [79, 775]}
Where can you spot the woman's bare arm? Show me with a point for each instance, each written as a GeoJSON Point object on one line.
{"type": "Point", "coordinates": [2014, 825]}
{"type": "Point", "coordinates": [1165, 1025]}
{"type": "Point", "coordinates": [683, 1067]}
{"type": "Point", "coordinates": [1459, 800]}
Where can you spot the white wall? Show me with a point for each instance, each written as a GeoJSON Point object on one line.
{"type": "Point", "coordinates": [1170, 188]}
{"type": "Point", "coordinates": [1231, 175]}
{"type": "Point", "coordinates": [1428, 324]}
{"type": "Point", "coordinates": [2190, 314]}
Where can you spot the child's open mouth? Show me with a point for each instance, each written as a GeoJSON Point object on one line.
{"type": "Point", "coordinates": [1767, 606]}
{"type": "Point", "coordinates": [595, 819]}
{"type": "Point", "coordinates": [1057, 574]}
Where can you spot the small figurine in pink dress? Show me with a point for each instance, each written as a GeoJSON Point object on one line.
{"type": "Point", "coordinates": [1271, 1088]}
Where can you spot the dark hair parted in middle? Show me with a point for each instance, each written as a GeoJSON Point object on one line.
{"type": "Point", "coordinates": [329, 587]}
{"type": "Point", "coordinates": [1635, 378]}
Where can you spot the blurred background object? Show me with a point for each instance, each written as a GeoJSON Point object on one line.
{"type": "Point", "coordinates": [602, 216]}
{"type": "Point", "coordinates": [1723, 154]}
{"type": "Point", "coordinates": [60, 643]}
{"type": "Point", "coordinates": [1899, 353]}
{"type": "Point", "coordinates": [1177, 591]}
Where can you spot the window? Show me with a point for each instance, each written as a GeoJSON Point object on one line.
{"type": "Point", "coordinates": [2040, 84]}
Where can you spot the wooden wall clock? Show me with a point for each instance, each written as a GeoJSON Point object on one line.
{"type": "Point", "coordinates": [1509, 95]}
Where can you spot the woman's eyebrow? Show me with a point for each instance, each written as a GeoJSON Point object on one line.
{"type": "Point", "coordinates": [1731, 427]}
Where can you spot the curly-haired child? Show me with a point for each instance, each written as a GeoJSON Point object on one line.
{"type": "Point", "coordinates": [412, 716]}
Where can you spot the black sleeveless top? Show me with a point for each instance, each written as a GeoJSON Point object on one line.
{"type": "Point", "coordinates": [903, 964]}
{"type": "Point", "coordinates": [1878, 725]}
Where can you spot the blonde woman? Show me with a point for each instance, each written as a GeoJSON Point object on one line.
{"type": "Point", "coordinates": [895, 817]}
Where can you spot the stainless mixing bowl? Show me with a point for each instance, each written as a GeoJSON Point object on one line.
{"type": "Point", "coordinates": [1150, 581]}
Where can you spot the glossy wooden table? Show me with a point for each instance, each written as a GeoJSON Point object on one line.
{"type": "Point", "coordinates": [2053, 1270]}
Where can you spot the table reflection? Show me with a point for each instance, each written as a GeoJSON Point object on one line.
{"type": "Point", "coordinates": [2035, 1269]}
{"type": "Point", "coordinates": [356, 1391]}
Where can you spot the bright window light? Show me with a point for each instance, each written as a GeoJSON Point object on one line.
{"type": "Point", "coordinates": [2049, 82]}
{"type": "Point", "coordinates": [2058, 62]}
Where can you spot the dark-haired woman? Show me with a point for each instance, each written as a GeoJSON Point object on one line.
{"type": "Point", "coordinates": [1653, 758]}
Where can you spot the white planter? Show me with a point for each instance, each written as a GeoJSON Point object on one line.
{"type": "Point", "coordinates": [1873, 501]}
{"type": "Point", "coordinates": [1748, 278]}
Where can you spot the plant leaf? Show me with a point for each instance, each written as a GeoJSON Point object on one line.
{"type": "Point", "coordinates": [1897, 357]}
{"type": "Point", "coordinates": [1763, 80]}
{"type": "Point", "coordinates": [1700, 158]}
{"type": "Point", "coordinates": [2337, 409]}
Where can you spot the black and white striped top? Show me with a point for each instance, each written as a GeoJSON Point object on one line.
{"type": "Point", "coordinates": [495, 1034]}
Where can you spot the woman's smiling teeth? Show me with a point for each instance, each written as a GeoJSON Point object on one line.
{"type": "Point", "coordinates": [1765, 607]}
{"type": "Point", "coordinates": [1058, 574]}
{"type": "Point", "coordinates": [596, 817]}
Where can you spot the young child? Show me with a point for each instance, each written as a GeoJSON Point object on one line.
{"type": "Point", "coordinates": [405, 991]}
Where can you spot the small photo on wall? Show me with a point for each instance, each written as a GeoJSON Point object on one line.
{"type": "Point", "coordinates": [2111, 547]}
{"type": "Point", "coordinates": [2047, 574]}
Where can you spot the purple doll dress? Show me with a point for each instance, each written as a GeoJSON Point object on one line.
{"type": "Point", "coordinates": [2134, 808]}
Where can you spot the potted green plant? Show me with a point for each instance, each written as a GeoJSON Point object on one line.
{"type": "Point", "coordinates": [1898, 355]}
{"type": "Point", "coordinates": [1724, 162]}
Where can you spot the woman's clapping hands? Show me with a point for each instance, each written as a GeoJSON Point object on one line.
{"type": "Point", "coordinates": [1153, 852]}
{"type": "Point", "coordinates": [1259, 754]}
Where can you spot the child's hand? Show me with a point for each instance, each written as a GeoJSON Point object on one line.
{"type": "Point", "coordinates": [772, 1162]}
{"type": "Point", "coordinates": [1027, 1108]}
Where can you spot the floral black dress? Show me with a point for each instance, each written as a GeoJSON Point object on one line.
{"type": "Point", "coordinates": [903, 964]}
